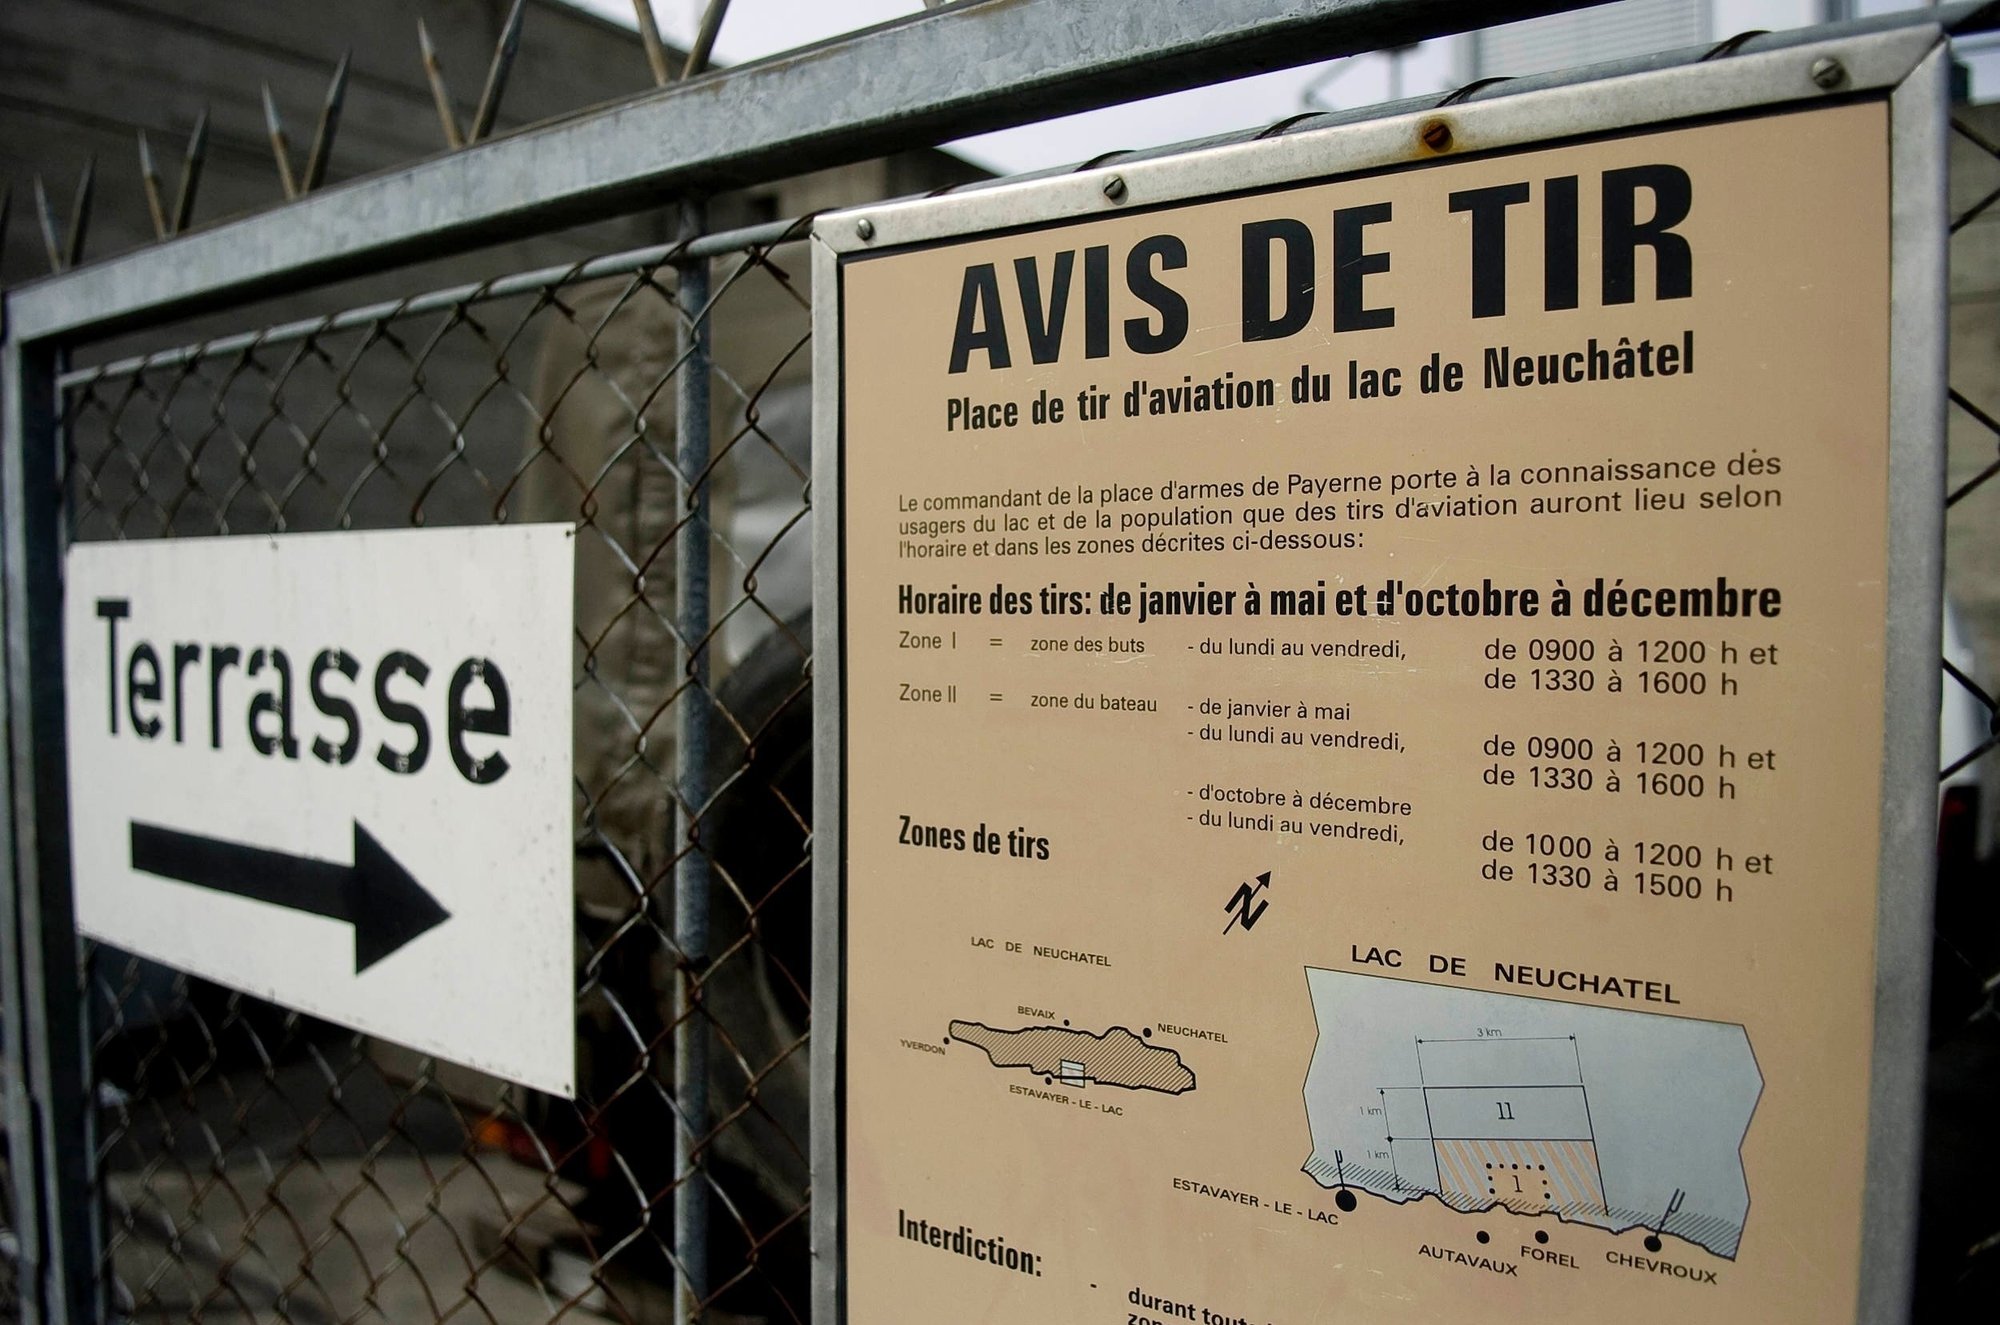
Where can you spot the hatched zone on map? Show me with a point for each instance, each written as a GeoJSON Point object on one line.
{"type": "Point", "coordinates": [1623, 1120]}
{"type": "Point", "coordinates": [1494, 1121]}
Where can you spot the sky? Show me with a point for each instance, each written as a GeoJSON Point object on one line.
{"type": "Point", "coordinates": [755, 28]}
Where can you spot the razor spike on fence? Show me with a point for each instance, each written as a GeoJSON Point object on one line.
{"type": "Point", "coordinates": [79, 213]}
{"type": "Point", "coordinates": [48, 224]}
{"type": "Point", "coordinates": [274, 128]}
{"type": "Point", "coordinates": [704, 38]}
{"type": "Point", "coordinates": [649, 37]}
{"type": "Point", "coordinates": [191, 163]}
{"type": "Point", "coordinates": [440, 94]}
{"type": "Point", "coordinates": [322, 142]}
{"type": "Point", "coordinates": [168, 223]}
{"type": "Point", "coordinates": [149, 176]}
{"type": "Point", "coordinates": [65, 253]}
{"type": "Point", "coordinates": [329, 125]}
{"type": "Point", "coordinates": [504, 52]}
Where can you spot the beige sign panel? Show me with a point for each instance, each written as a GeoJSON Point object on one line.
{"type": "Point", "coordinates": [1364, 737]}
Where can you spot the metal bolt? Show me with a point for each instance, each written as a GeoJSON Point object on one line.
{"type": "Point", "coordinates": [1828, 72]}
{"type": "Point", "coordinates": [865, 228]}
{"type": "Point", "coordinates": [1436, 135]}
{"type": "Point", "coordinates": [1114, 188]}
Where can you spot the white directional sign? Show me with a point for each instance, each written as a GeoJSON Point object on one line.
{"type": "Point", "coordinates": [333, 771]}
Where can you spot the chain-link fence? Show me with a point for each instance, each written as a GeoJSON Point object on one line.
{"type": "Point", "coordinates": [1960, 1245]}
{"type": "Point", "coordinates": [1972, 559]}
{"type": "Point", "coordinates": [254, 1162]}
{"type": "Point", "coordinates": [257, 1163]}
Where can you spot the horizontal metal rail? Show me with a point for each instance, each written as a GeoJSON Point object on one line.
{"type": "Point", "coordinates": [938, 75]}
{"type": "Point", "coordinates": [768, 235]}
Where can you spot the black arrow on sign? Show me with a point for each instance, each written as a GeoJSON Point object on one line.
{"type": "Point", "coordinates": [375, 894]}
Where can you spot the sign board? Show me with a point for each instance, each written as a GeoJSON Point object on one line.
{"type": "Point", "coordinates": [1363, 781]}
{"type": "Point", "coordinates": [333, 771]}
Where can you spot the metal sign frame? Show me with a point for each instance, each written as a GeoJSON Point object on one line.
{"type": "Point", "coordinates": [1909, 68]}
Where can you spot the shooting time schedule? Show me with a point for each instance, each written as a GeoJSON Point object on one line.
{"type": "Point", "coordinates": [1356, 695]}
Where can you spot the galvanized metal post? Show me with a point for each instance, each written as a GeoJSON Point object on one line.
{"type": "Point", "coordinates": [16, 1116]}
{"type": "Point", "coordinates": [59, 1265]}
{"type": "Point", "coordinates": [20, 1237]}
{"type": "Point", "coordinates": [691, 407]}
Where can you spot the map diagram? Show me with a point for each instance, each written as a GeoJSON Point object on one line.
{"type": "Point", "coordinates": [1622, 1120]}
{"type": "Point", "coordinates": [1081, 1058]}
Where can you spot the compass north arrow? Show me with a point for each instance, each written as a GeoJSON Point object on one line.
{"type": "Point", "coordinates": [375, 894]}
